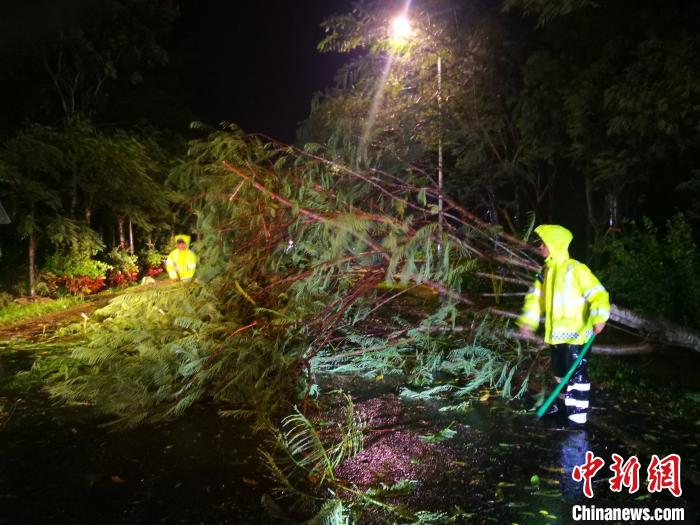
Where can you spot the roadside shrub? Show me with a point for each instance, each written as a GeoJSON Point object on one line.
{"type": "Point", "coordinates": [125, 269]}
{"type": "Point", "coordinates": [74, 265]}
{"type": "Point", "coordinates": [42, 289]}
{"type": "Point", "coordinates": [75, 271]}
{"type": "Point", "coordinates": [655, 273]}
{"type": "Point", "coordinates": [79, 285]}
{"type": "Point", "coordinates": [153, 261]}
{"type": "Point", "coordinates": [5, 299]}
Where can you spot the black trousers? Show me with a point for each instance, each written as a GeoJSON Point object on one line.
{"type": "Point", "coordinates": [574, 398]}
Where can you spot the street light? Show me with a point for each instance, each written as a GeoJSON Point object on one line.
{"type": "Point", "coordinates": [401, 30]}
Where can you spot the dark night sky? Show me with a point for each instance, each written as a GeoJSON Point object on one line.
{"type": "Point", "coordinates": [250, 62]}
{"type": "Point", "coordinates": [255, 63]}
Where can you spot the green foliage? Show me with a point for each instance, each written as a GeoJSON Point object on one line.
{"type": "Point", "coordinates": [153, 258]}
{"type": "Point", "coordinates": [122, 261]}
{"type": "Point", "coordinates": [654, 273]}
{"type": "Point", "coordinates": [438, 437]}
{"type": "Point", "coordinates": [74, 236]}
{"type": "Point", "coordinates": [105, 64]}
{"type": "Point", "coordinates": [249, 330]}
{"type": "Point", "coordinates": [383, 111]}
{"type": "Point", "coordinates": [6, 299]}
{"type": "Point", "coordinates": [64, 183]}
{"type": "Point", "coordinates": [548, 10]}
{"type": "Point", "coordinates": [75, 264]}
{"type": "Point", "coordinates": [89, 61]}
{"type": "Point", "coordinates": [75, 254]}
{"type": "Point", "coordinates": [29, 171]}
{"type": "Point", "coordinates": [301, 459]}
{"type": "Point", "coordinates": [306, 458]}
{"type": "Point", "coordinates": [388, 95]}
{"type": "Point", "coordinates": [529, 113]}
{"type": "Point", "coordinates": [153, 352]}
{"type": "Point", "coordinates": [72, 266]}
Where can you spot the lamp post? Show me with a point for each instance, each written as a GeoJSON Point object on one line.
{"type": "Point", "coordinates": [401, 30]}
{"type": "Point", "coordinates": [439, 98]}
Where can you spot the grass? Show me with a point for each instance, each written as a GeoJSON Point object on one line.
{"type": "Point", "coordinates": [14, 311]}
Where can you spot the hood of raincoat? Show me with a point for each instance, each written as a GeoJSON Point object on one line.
{"type": "Point", "coordinates": [182, 237]}
{"type": "Point", "coordinates": [556, 239]}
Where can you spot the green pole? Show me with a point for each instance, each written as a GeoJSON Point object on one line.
{"type": "Point", "coordinates": [565, 379]}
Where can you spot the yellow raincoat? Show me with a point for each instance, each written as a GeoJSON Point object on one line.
{"type": "Point", "coordinates": [181, 264]}
{"type": "Point", "coordinates": [570, 297]}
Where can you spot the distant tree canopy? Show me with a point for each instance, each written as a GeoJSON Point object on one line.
{"type": "Point", "coordinates": [575, 111]}
{"type": "Point", "coordinates": [70, 182]}
{"type": "Point", "coordinates": [86, 141]}
{"type": "Point", "coordinates": [584, 112]}
{"type": "Point", "coordinates": [105, 60]}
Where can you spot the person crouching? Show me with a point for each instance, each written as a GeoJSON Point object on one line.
{"type": "Point", "coordinates": [182, 262]}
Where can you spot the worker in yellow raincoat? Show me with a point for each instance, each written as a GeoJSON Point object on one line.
{"type": "Point", "coordinates": [574, 306]}
{"type": "Point", "coordinates": [182, 262]}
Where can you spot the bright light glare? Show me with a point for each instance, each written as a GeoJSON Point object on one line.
{"type": "Point", "coordinates": [401, 27]}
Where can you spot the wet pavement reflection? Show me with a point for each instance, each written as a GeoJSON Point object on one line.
{"type": "Point", "coordinates": [59, 465]}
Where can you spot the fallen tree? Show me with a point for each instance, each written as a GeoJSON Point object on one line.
{"type": "Point", "coordinates": [656, 329]}
{"type": "Point", "coordinates": [513, 255]}
{"type": "Point", "coordinates": [311, 265]}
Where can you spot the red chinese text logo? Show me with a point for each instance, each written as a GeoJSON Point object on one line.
{"type": "Point", "coordinates": [661, 474]}
{"type": "Point", "coordinates": [626, 474]}
{"type": "Point", "coordinates": [665, 474]}
{"type": "Point", "coordinates": [587, 471]}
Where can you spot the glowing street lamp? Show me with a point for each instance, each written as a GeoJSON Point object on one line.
{"type": "Point", "coordinates": [401, 28]}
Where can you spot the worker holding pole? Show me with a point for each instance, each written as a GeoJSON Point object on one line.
{"type": "Point", "coordinates": [575, 308]}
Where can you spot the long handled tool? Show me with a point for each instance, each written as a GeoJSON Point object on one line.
{"type": "Point", "coordinates": [565, 379]}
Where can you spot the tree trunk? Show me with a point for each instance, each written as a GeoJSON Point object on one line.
{"type": "Point", "coordinates": [661, 330]}
{"type": "Point", "coordinates": [550, 190]}
{"type": "Point", "coordinates": [592, 225]}
{"type": "Point", "coordinates": [630, 349]}
{"type": "Point", "coordinates": [131, 237]}
{"type": "Point", "coordinates": [656, 328]}
{"type": "Point", "coordinates": [517, 221]}
{"type": "Point", "coordinates": [74, 194]}
{"type": "Point", "coordinates": [622, 349]}
{"type": "Point", "coordinates": [492, 209]}
{"type": "Point", "coordinates": [88, 215]}
{"type": "Point", "coordinates": [120, 229]}
{"type": "Point", "coordinates": [32, 263]}
{"type": "Point", "coordinates": [613, 210]}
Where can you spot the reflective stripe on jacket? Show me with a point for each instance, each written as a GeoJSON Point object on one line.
{"type": "Point", "coordinates": [181, 263]}
{"type": "Point", "coordinates": [569, 297]}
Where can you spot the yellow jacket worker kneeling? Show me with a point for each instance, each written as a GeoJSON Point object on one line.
{"type": "Point", "coordinates": [182, 262]}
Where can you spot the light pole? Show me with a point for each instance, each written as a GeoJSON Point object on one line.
{"type": "Point", "coordinates": [439, 98]}
{"type": "Point", "coordinates": [401, 30]}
